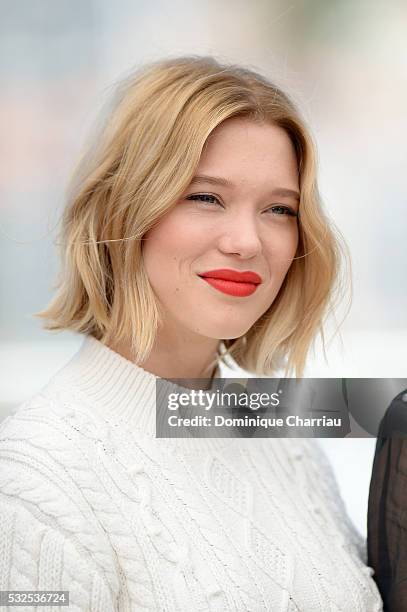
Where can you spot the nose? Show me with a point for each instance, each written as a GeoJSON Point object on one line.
{"type": "Point", "coordinates": [240, 236]}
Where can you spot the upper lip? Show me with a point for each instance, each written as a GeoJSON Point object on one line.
{"type": "Point", "coordinates": [234, 275]}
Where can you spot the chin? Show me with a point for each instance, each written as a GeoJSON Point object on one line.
{"type": "Point", "coordinates": [224, 327]}
{"type": "Point", "coordinates": [228, 333]}
{"type": "Point", "coordinates": [231, 336]}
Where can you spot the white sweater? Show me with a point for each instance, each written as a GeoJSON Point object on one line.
{"type": "Point", "coordinates": [93, 503]}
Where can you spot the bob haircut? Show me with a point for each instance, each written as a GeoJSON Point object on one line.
{"type": "Point", "coordinates": [144, 160]}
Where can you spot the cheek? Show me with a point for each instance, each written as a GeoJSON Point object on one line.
{"type": "Point", "coordinates": [155, 249]}
{"type": "Point", "coordinates": [161, 240]}
{"type": "Point", "coordinates": [281, 250]}
{"type": "Point", "coordinates": [167, 251]}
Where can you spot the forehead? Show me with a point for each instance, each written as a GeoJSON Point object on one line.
{"type": "Point", "coordinates": [241, 148]}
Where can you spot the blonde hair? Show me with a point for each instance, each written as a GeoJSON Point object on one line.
{"type": "Point", "coordinates": [145, 158]}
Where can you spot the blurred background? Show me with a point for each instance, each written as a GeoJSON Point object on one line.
{"type": "Point", "coordinates": [343, 62]}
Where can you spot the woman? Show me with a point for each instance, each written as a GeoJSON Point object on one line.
{"type": "Point", "coordinates": [195, 232]}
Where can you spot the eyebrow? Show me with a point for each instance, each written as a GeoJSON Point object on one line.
{"type": "Point", "coordinates": [217, 180]}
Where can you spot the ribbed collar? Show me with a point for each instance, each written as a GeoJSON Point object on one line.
{"type": "Point", "coordinates": [119, 390]}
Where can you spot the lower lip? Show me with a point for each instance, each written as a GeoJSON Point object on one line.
{"type": "Point", "coordinates": [231, 287]}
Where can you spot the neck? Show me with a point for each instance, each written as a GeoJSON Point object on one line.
{"type": "Point", "coordinates": [175, 356]}
{"type": "Point", "coordinates": [127, 394]}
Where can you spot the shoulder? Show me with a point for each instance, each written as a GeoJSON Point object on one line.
{"type": "Point", "coordinates": [395, 418]}
{"type": "Point", "coordinates": [390, 458]}
{"type": "Point", "coordinates": [52, 438]}
{"type": "Point", "coordinates": [53, 419]}
{"type": "Point", "coordinates": [47, 433]}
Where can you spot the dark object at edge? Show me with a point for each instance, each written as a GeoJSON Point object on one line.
{"type": "Point", "coordinates": [387, 511]}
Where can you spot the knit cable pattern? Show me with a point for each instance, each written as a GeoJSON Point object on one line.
{"type": "Point", "coordinates": [92, 503]}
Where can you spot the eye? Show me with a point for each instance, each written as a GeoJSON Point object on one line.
{"type": "Point", "coordinates": [204, 197]}
{"type": "Point", "coordinates": [207, 198]}
{"type": "Point", "coordinates": [283, 210]}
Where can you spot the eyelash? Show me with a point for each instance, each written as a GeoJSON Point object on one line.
{"type": "Point", "coordinates": [287, 210]}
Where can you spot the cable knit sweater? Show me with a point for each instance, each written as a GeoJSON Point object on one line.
{"type": "Point", "coordinates": [93, 503]}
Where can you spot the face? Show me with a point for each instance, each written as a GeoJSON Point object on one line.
{"type": "Point", "coordinates": [245, 222]}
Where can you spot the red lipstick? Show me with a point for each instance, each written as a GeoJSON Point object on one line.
{"type": "Point", "coordinates": [232, 282]}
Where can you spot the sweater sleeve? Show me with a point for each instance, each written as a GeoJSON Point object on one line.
{"type": "Point", "coordinates": [36, 556]}
{"type": "Point", "coordinates": [50, 538]}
